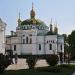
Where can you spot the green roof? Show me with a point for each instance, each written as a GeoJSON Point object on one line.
{"type": "Point", "coordinates": [32, 21]}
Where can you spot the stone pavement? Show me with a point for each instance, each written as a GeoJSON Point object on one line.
{"type": "Point", "coordinates": [23, 65]}
{"type": "Point", "coordinates": [73, 73]}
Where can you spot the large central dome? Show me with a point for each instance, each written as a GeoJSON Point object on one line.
{"type": "Point", "coordinates": [32, 21]}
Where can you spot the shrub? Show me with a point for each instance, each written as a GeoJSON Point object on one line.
{"type": "Point", "coordinates": [52, 60]}
{"type": "Point", "coordinates": [31, 62]}
{"type": "Point", "coordinates": [53, 69]}
{"type": "Point", "coordinates": [4, 62]}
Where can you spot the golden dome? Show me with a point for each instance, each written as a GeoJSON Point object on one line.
{"type": "Point", "coordinates": [32, 13]}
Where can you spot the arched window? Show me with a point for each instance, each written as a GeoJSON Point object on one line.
{"type": "Point", "coordinates": [23, 41]}
{"type": "Point", "coordinates": [14, 47]}
{"type": "Point", "coordinates": [47, 41]}
{"type": "Point", "coordinates": [39, 46]}
{"type": "Point", "coordinates": [26, 40]}
{"type": "Point", "coordinates": [53, 41]}
{"type": "Point", "coordinates": [50, 46]}
{"type": "Point", "coordinates": [30, 41]}
{"type": "Point", "coordinates": [60, 47]}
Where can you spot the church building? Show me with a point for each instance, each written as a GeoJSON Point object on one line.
{"type": "Point", "coordinates": [34, 37]}
{"type": "Point", "coordinates": [2, 36]}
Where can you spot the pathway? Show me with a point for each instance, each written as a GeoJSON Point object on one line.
{"type": "Point", "coordinates": [23, 65]}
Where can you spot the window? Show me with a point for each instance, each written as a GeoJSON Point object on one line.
{"type": "Point", "coordinates": [53, 41]}
{"type": "Point", "coordinates": [27, 27]}
{"type": "Point", "coordinates": [39, 46]}
{"type": "Point", "coordinates": [47, 41]}
{"type": "Point", "coordinates": [60, 47]}
{"type": "Point", "coordinates": [23, 41]}
{"type": "Point", "coordinates": [14, 47]}
{"type": "Point", "coordinates": [26, 40]}
{"type": "Point", "coordinates": [30, 41]}
{"type": "Point", "coordinates": [23, 35]}
{"type": "Point", "coordinates": [50, 46]}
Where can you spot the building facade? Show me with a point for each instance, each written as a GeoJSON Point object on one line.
{"type": "Point", "coordinates": [2, 36]}
{"type": "Point", "coordinates": [33, 37]}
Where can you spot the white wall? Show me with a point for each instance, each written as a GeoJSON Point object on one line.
{"type": "Point", "coordinates": [60, 42]}
{"type": "Point", "coordinates": [40, 40]}
{"type": "Point", "coordinates": [2, 36]}
{"type": "Point", "coordinates": [54, 45]}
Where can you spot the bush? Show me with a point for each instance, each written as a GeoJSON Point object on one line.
{"type": "Point", "coordinates": [53, 69]}
{"type": "Point", "coordinates": [31, 62]}
{"type": "Point", "coordinates": [52, 60]}
{"type": "Point", "coordinates": [4, 62]}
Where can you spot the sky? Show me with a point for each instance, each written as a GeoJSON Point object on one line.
{"type": "Point", "coordinates": [61, 12]}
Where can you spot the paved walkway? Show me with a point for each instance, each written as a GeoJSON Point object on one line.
{"type": "Point", "coordinates": [73, 73]}
{"type": "Point", "coordinates": [23, 65]}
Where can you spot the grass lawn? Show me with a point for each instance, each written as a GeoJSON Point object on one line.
{"type": "Point", "coordinates": [57, 70]}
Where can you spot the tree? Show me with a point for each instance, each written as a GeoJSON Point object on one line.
{"type": "Point", "coordinates": [66, 45]}
{"type": "Point", "coordinates": [4, 62]}
{"type": "Point", "coordinates": [52, 60]}
{"type": "Point", "coordinates": [71, 42]}
{"type": "Point", "coordinates": [31, 62]}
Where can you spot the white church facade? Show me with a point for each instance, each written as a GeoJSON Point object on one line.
{"type": "Point", "coordinates": [33, 37]}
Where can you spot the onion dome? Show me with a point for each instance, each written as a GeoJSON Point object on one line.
{"type": "Point", "coordinates": [32, 13]}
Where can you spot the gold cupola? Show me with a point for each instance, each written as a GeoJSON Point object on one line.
{"type": "Point", "coordinates": [32, 13]}
{"type": "Point", "coordinates": [56, 29]}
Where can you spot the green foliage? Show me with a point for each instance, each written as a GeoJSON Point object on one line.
{"type": "Point", "coordinates": [71, 41]}
{"type": "Point", "coordinates": [4, 62]}
{"type": "Point", "coordinates": [31, 62]}
{"type": "Point", "coordinates": [52, 60]}
{"type": "Point", "coordinates": [54, 69]}
{"type": "Point", "coordinates": [66, 45]}
{"type": "Point", "coordinates": [51, 70]}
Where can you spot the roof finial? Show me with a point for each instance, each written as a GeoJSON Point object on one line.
{"type": "Point", "coordinates": [56, 28]}
{"type": "Point", "coordinates": [19, 20]}
{"type": "Point", "coordinates": [32, 5]}
{"type": "Point", "coordinates": [32, 13]}
{"type": "Point", "coordinates": [51, 26]}
{"type": "Point", "coordinates": [51, 21]}
{"type": "Point", "coordinates": [19, 15]}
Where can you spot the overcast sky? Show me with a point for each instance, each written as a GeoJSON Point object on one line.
{"type": "Point", "coordinates": [61, 11]}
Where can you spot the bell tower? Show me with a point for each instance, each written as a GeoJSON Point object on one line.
{"type": "Point", "coordinates": [56, 29]}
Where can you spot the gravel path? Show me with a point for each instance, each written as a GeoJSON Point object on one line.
{"type": "Point", "coordinates": [23, 65]}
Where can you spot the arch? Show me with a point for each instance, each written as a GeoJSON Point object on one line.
{"type": "Point", "coordinates": [14, 47]}
{"type": "Point", "coordinates": [30, 40]}
{"type": "Point", "coordinates": [26, 40]}
{"type": "Point", "coordinates": [50, 46]}
{"type": "Point", "coordinates": [60, 47]}
{"type": "Point", "coordinates": [39, 46]}
{"type": "Point", "coordinates": [23, 41]}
